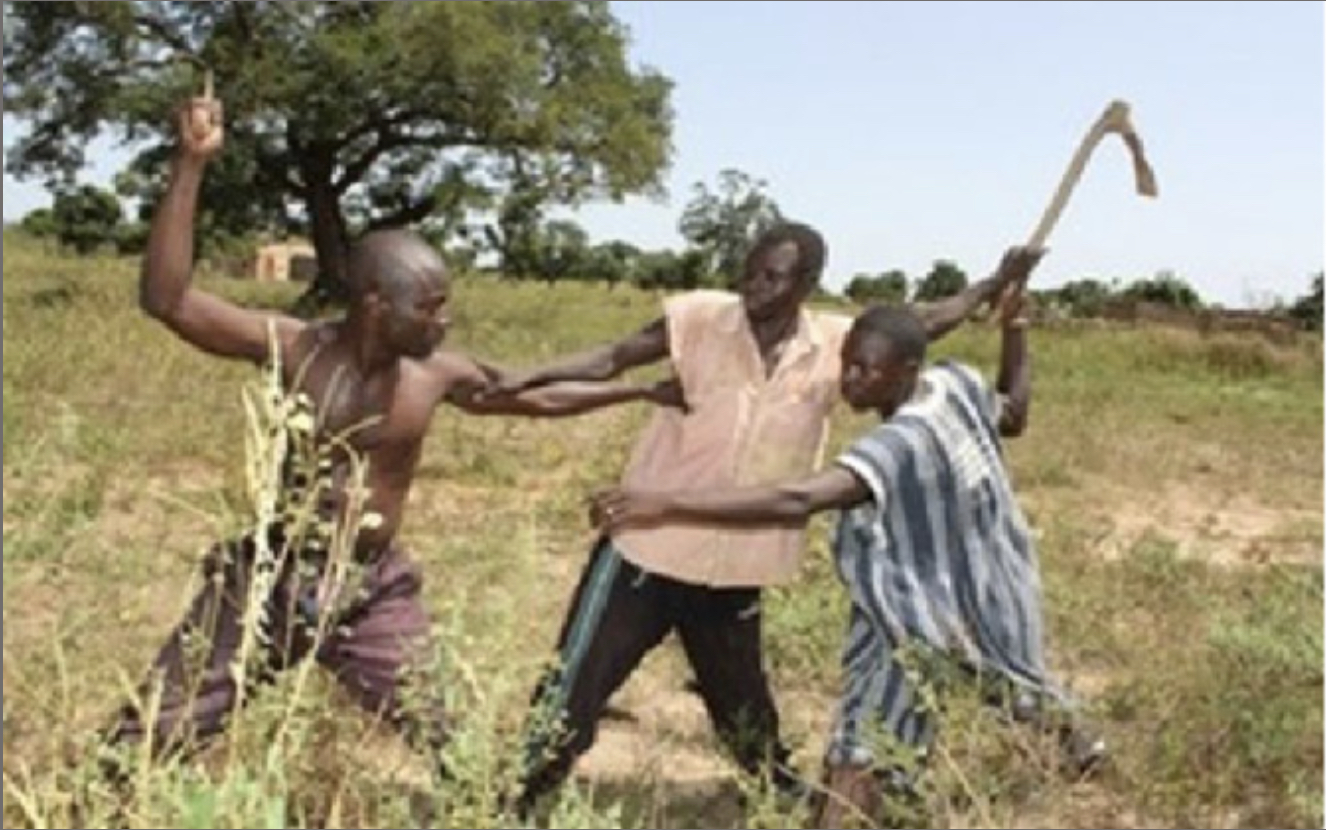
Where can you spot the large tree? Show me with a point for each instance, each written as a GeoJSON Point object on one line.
{"type": "Point", "coordinates": [351, 115]}
{"type": "Point", "coordinates": [721, 224]}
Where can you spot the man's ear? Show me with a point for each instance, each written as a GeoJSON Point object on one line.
{"type": "Point", "coordinates": [372, 301]}
{"type": "Point", "coordinates": [809, 282]}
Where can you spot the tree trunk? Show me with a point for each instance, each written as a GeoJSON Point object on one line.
{"type": "Point", "coordinates": [327, 226]}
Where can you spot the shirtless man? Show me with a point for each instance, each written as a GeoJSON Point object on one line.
{"type": "Point", "coordinates": [380, 367]}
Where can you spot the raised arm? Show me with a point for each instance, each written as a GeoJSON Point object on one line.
{"type": "Point", "coordinates": [165, 290]}
{"type": "Point", "coordinates": [1013, 384]}
{"type": "Point", "coordinates": [943, 316]}
{"type": "Point", "coordinates": [649, 345]}
{"type": "Point", "coordinates": [792, 503]}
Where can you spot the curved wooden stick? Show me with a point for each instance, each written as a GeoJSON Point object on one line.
{"type": "Point", "coordinates": [1115, 119]}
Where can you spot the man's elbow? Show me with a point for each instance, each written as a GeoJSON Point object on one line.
{"type": "Point", "coordinates": [1014, 422]}
{"type": "Point", "coordinates": [154, 308]}
{"type": "Point", "coordinates": [157, 304]}
{"type": "Point", "coordinates": [608, 365]}
{"type": "Point", "coordinates": [471, 402]}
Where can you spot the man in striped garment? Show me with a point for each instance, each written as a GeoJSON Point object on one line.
{"type": "Point", "coordinates": [931, 545]}
{"type": "Point", "coordinates": [759, 371]}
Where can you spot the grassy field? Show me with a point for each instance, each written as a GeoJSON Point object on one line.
{"type": "Point", "coordinates": [1175, 484]}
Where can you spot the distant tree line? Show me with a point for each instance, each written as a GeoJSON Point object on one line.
{"type": "Point", "coordinates": [718, 225]}
{"type": "Point", "coordinates": [1080, 298]}
{"type": "Point", "coordinates": [475, 123]}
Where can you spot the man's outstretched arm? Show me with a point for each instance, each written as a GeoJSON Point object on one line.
{"type": "Point", "coordinates": [469, 386]}
{"type": "Point", "coordinates": [791, 503]}
{"type": "Point", "coordinates": [649, 345]}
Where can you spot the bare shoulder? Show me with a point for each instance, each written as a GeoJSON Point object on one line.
{"type": "Point", "coordinates": [296, 335]}
{"type": "Point", "coordinates": [297, 340]}
{"type": "Point", "coordinates": [451, 363]}
{"type": "Point", "coordinates": [452, 372]}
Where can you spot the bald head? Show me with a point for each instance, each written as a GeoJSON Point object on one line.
{"type": "Point", "coordinates": [399, 292]}
{"type": "Point", "coordinates": [393, 263]}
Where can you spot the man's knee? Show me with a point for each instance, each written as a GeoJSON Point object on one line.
{"type": "Point", "coordinates": [169, 727]}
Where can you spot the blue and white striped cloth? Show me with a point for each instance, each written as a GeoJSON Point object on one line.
{"type": "Point", "coordinates": [940, 557]}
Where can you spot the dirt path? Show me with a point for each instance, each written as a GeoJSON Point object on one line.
{"type": "Point", "coordinates": [663, 744]}
{"type": "Point", "coordinates": [1225, 529]}
{"type": "Point", "coordinates": [657, 746]}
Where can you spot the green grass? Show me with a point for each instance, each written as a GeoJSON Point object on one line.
{"type": "Point", "coordinates": [1175, 483]}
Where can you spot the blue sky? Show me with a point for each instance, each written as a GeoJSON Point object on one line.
{"type": "Point", "coordinates": [908, 132]}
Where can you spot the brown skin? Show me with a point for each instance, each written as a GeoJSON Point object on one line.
{"type": "Point", "coordinates": [379, 372]}
{"type": "Point", "coordinates": [773, 290]}
{"type": "Point", "coordinates": [873, 379]}
{"type": "Point", "coordinates": [1014, 380]}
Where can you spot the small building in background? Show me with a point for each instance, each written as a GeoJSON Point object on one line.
{"type": "Point", "coordinates": [292, 260]}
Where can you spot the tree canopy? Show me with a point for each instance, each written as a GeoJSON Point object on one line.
{"type": "Point", "coordinates": [344, 116]}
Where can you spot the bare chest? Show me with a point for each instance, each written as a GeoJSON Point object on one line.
{"type": "Point", "coordinates": [382, 414]}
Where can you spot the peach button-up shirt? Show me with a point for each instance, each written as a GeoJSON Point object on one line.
{"type": "Point", "coordinates": [746, 427]}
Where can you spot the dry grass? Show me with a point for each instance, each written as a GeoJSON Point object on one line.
{"type": "Point", "coordinates": [1175, 482]}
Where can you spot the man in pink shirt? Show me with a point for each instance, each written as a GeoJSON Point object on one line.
{"type": "Point", "coordinates": [759, 372]}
